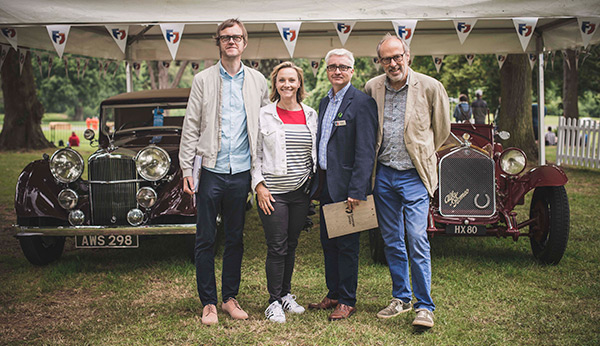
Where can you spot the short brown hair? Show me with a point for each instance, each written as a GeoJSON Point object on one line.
{"type": "Point", "coordinates": [228, 24]}
{"type": "Point", "coordinates": [274, 95]}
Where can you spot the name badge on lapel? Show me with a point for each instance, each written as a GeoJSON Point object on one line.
{"type": "Point", "coordinates": [339, 123]}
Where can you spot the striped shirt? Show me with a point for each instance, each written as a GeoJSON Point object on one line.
{"type": "Point", "coordinates": [298, 144]}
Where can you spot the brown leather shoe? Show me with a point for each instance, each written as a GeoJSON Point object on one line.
{"type": "Point", "coordinates": [325, 304]}
{"type": "Point", "coordinates": [342, 311]}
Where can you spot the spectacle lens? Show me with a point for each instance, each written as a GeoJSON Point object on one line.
{"type": "Point", "coordinates": [388, 60]}
{"type": "Point", "coordinates": [235, 38]}
{"type": "Point", "coordinates": [342, 68]}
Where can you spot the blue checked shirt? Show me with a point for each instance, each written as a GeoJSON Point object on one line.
{"type": "Point", "coordinates": [234, 156]}
{"type": "Point", "coordinates": [327, 126]}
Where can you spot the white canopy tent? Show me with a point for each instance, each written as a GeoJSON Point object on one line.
{"type": "Point", "coordinates": [494, 33]}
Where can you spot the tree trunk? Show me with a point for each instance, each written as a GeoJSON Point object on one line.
{"type": "Point", "coordinates": [78, 116]}
{"type": "Point", "coordinates": [163, 76]}
{"type": "Point", "coordinates": [570, 81]}
{"type": "Point", "coordinates": [179, 74]}
{"type": "Point", "coordinates": [150, 65]}
{"type": "Point", "coordinates": [515, 113]}
{"type": "Point", "coordinates": [23, 111]}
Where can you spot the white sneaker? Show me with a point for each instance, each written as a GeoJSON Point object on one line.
{"type": "Point", "coordinates": [289, 304]}
{"type": "Point", "coordinates": [274, 312]}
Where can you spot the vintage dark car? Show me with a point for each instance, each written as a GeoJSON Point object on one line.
{"type": "Point", "coordinates": [480, 183]}
{"type": "Point", "coordinates": [133, 186]}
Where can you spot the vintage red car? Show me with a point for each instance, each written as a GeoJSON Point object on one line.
{"type": "Point", "coordinates": [480, 183]}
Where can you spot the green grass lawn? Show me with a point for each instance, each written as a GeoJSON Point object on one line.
{"type": "Point", "coordinates": [487, 291]}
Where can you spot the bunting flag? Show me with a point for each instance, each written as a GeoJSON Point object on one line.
{"type": "Point", "coordinates": [585, 56]}
{"type": "Point", "coordinates": [105, 69]}
{"type": "Point", "coordinates": [525, 27]}
{"type": "Point", "coordinates": [577, 52]}
{"type": "Point", "coordinates": [501, 58]}
{"type": "Point", "coordinates": [50, 64]}
{"type": "Point", "coordinates": [437, 61]}
{"type": "Point", "coordinates": [38, 60]}
{"type": "Point", "coordinates": [255, 64]}
{"type": "Point", "coordinates": [119, 33]}
{"type": "Point", "coordinates": [405, 29]}
{"type": "Point", "coordinates": [11, 35]}
{"type": "Point", "coordinates": [137, 66]}
{"type": "Point", "coordinates": [375, 61]}
{"type": "Point", "coordinates": [566, 58]}
{"type": "Point", "coordinates": [470, 58]}
{"type": "Point", "coordinates": [195, 66]}
{"type": "Point", "coordinates": [208, 63]}
{"type": "Point", "coordinates": [552, 56]}
{"type": "Point", "coordinates": [66, 61]}
{"type": "Point", "coordinates": [314, 66]}
{"type": "Point", "coordinates": [59, 35]}
{"type": "Point", "coordinates": [22, 56]}
{"type": "Point", "coordinates": [165, 64]}
{"type": "Point", "coordinates": [117, 65]}
{"type": "Point", "coordinates": [588, 27]}
{"type": "Point", "coordinates": [532, 59]}
{"type": "Point", "coordinates": [172, 33]}
{"type": "Point", "coordinates": [344, 29]}
{"type": "Point", "coordinates": [463, 28]}
{"type": "Point", "coordinates": [289, 32]}
{"type": "Point", "coordinates": [85, 65]}
{"type": "Point", "coordinates": [3, 53]}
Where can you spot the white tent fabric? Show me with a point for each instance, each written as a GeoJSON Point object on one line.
{"type": "Point", "coordinates": [434, 34]}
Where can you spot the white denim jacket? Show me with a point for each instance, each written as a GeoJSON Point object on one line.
{"type": "Point", "coordinates": [270, 149]}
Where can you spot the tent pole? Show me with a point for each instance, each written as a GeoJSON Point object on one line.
{"type": "Point", "coordinates": [541, 102]}
{"type": "Point", "coordinates": [128, 75]}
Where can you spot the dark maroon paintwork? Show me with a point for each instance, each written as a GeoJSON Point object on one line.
{"type": "Point", "coordinates": [510, 190]}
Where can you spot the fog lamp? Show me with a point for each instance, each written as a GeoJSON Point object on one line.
{"type": "Point", "coordinates": [146, 197]}
{"type": "Point", "coordinates": [67, 199]}
{"type": "Point", "coordinates": [76, 217]}
{"type": "Point", "coordinates": [135, 217]}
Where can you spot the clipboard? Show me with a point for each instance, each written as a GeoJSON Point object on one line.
{"type": "Point", "coordinates": [341, 221]}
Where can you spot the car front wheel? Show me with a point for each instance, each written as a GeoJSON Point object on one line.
{"type": "Point", "coordinates": [41, 250]}
{"type": "Point", "coordinates": [549, 233]}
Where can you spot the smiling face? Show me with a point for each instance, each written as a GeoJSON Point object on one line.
{"type": "Point", "coordinates": [337, 78]}
{"type": "Point", "coordinates": [396, 72]}
{"type": "Point", "coordinates": [287, 83]}
{"type": "Point", "coordinates": [232, 49]}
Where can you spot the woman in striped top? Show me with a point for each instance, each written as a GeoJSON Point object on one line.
{"type": "Point", "coordinates": [284, 163]}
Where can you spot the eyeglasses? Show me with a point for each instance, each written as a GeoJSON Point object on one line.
{"type": "Point", "coordinates": [342, 68]}
{"type": "Point", "coordinates": [235, 38]}
{"type": "Point", "coordinates": [388, 60]}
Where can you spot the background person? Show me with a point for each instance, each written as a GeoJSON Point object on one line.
{"type": "Point", "coordinates": [480, 108]}
{"type": "Point", "coordinates": [462, 112]}
{"type": "Point", "coordinates": [409, 134]}
{"type": "Point", "coordinates": [346, 153]}
{"type": "Point", "coordinates": [73, 140]}
{"type": "Point", "coordinates": [221, 125]}
{"type": "Point", "coordinates": [550, 137]}
{"type": "Point", "coordinates": [281, 171]}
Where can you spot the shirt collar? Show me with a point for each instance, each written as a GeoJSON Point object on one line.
{"type": "Point", "coordinates": [340, 94]}
{"type": "Point", "coordinates": [389, 87]}
{"type": "Point", "coordinates": [224, 72]}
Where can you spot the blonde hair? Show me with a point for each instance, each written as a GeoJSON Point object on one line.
{"type": "Point", "coordinates": [274, 95]}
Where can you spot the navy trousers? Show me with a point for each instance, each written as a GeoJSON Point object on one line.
{"type": "Point", "coordinates": [225, 193]}
{"type": "Point", "coordinates": [341, 258]}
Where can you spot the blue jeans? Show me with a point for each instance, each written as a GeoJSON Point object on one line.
{"type": "Point", "coordinates": [225, 193]}
{"type": "Point", "coordinates": [402, 204]}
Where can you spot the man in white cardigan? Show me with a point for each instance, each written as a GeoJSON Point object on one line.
{"type": "Point", "coordinates": [221, 125]}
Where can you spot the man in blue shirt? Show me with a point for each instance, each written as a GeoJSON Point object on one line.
{"type": "Point", "coordinates": [221, 127]}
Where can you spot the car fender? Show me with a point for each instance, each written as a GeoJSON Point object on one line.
{"type": "Point", "coordinates": [547, 175]}
{"type": "Point", "coordinates": [37, 191]}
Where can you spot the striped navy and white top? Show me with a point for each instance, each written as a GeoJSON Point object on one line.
{"type": "Point", "coordinates": [298, 144]}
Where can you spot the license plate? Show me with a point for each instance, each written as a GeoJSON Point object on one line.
{"type": "Point", "coordinates": [465, 229]}
{"type": "Point", "coordinates": [107, 241]}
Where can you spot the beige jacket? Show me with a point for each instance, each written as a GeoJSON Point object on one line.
{"type": "Point", "coordinates": [426, 123]}
{"type": "Point", "coordinates": [271, 155]}
{"type": "Point", "coordinates": [201, 133]}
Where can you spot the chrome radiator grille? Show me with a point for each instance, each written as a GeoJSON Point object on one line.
{"type": "Point", "coordinates": [467, 185]}
{"type": "Point", "coordinates": [111, 202]}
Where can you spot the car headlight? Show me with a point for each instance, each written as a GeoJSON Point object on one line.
{"type": "Point", "coordinates": [67, 199]}
{"type": "Point", "coordinates": [152, 163]}
{"type": "Point", "coordinates": [66, 165]}
{"type": "Point", "coordinates": [513, 161]}
{"type": "Point", "coordinates": [146, 197]}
